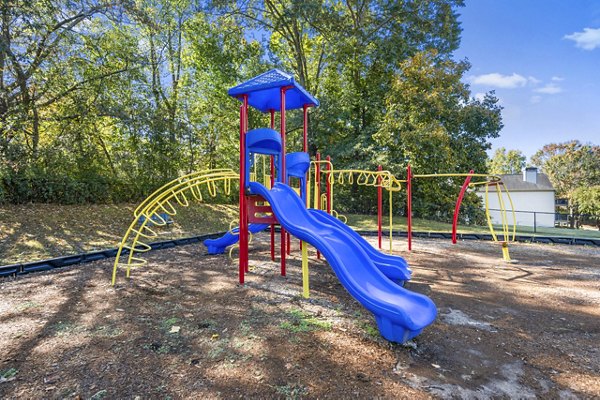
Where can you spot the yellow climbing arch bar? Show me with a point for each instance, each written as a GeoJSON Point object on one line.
{"type": "Point", "coordinates": [179, 191]}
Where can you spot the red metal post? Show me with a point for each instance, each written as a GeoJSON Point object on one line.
{"type": "Point", "coordinates": [305, 126]}
{"type": "Point", "coordinates": [463, 189]}
{"type": "Point", "coordinates": [328, 186]}
{"type": "Point", "coordinates": [246, 233]}
{"type": "Point", "coordinates": [379, 206]}
{"type": "Point", "coordinates": [272, 112]}
{"type": "Point", "coordinates": [282, 173]}
{"type": "Point", "coordinates": [409, 205]}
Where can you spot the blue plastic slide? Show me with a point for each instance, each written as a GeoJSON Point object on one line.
{"type": "Point", "coordinates": [218, 246]}
{"type": "Point", "coordinates": [400, 314]}
{"type": "Point", "coordinates": [394, 267]}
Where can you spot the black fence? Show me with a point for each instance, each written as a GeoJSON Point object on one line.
{"type": "Point", "coordinates": [544, 221]}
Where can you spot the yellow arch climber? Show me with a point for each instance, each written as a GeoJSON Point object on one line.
{"type": "Point", "coordinates": [179, 191]}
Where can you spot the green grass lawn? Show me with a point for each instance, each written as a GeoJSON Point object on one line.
{"type": "Point", "coordinates": [38, 231]}
{"type": "Point", "coordinates": [369, 222]}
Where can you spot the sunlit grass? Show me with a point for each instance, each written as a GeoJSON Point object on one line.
{"type": "Point", "coordinates": [369, 222]}
{"type": "Point", "coordinates": [39, 231]}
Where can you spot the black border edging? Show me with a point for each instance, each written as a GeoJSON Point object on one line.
{"type": "Point", "coordinates": [84, 258]}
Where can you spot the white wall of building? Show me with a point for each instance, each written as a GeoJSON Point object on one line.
{"type": "Point", "coordinates": [539, 201]}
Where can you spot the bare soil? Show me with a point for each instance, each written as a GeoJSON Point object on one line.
{"type": "Point", "coordinates": [183, 328]}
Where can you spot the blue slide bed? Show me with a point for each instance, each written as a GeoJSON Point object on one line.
{"type": "Point", "coordinates": [394, 267]}
{"type": "Point", "coordinates": [218, 246]}
{"type": "Point", "coordinates": [400, 314]}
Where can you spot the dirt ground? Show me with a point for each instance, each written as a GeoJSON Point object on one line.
{"type": "Point", "coordinates": [183, 328]}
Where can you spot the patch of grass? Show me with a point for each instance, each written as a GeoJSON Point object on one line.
{"type": "Point", "coordinates": [220, 349]}
{"type": "Point", "coordinates": [245, 328]}
{"type": "Point", "coordinates": [107, 331]}
{"type": "Point", "coordinates": [160, 348]}
{"type": "Point", "coordinates": [63, 328]}
{"type": "Point", "coordinates": [369, 329]}
{"type": "Point", "coordinates": [168, 323]}
{"type": "Point", "coordinates": [8, 374]}
{"type": "Point", "coordinates": [27, 305]}
{"type": "Point", "coordinates": [99, 395]}
{"type": "Point", "coordinates": [299, 321]}
{"type": "Point", "coordinates": [294, 391]}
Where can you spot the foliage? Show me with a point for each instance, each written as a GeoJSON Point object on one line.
{"type": "Point", "coordinates": [503, 162]}
{"type": "Point", "coordinates": [104, 101]}
{"type": "Point", "coordinates": [569, 166]}
{"type": "Point", "coordinates": [431, 123]}
{"type": "Point", "coordinates": [587, 201]}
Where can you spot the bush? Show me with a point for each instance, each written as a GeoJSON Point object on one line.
{"type": "Point", "coordinates": [60, 189]}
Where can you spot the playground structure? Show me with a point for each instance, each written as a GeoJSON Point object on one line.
{"type": "Point", "coordinates": [372, 277]}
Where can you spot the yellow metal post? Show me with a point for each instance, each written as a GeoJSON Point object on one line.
{"type": "Point", "coordinates": [505, 254]}
{"type": "Point", "coordinates": [305, 275]}
{"type": "Point", "coordinates": [487, 213]}
{"type": "Point", "coordinates": [391, 221]}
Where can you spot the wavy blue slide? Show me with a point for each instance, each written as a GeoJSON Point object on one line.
{"type": "Point", "coordinates": [400, 314]}
{"type": "Point", "coordinates": [218, 246]}
{"type": "Point", "coordinates": [394, 267]}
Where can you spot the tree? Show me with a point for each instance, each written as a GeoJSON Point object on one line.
{"type": "Point", "coordinates": [431, 122]}
{"type": "Point", "coordinates": [569, 165]}
{"type": "Point", "coordinates": [104, 99]}
{"type": "Point", "coordinates": [503, 162]}
{"type": "Point", "coordinates": [107, 99]}
{"type": "Point", "coordinates": [357, 57]}
{"type": "Point", "coordinates": [587, 201]}
{"type": "Point", "coordinates": [38, 40]}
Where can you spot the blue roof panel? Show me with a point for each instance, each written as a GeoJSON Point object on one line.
{"type": "Point", "coordinates": [263, 92]}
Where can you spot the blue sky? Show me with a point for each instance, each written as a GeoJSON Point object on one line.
{"type": "Point", "coordinates": [542, 58]}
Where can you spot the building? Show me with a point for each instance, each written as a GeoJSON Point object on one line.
{"type": "Point", "coordinates": [532, 195]}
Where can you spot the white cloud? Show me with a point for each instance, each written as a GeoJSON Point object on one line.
{"type": "Point", "coordinates": [557, 79]}
{"type": "Point", "coordinates": [589, 39]}
{"type": "Point", "coordinates": [533, 79]}
{"type": "Point", "coordinates": [499, 80]}
{"type": "Point", "coordinates": [550, 88]}
{"type": "Point", "coordinates": [479, 96]}
{"type": "Point", "coordinates": [535, 99]}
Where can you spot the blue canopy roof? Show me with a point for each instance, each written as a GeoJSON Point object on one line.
{"type": "Point", "coordinates": [263, 92]}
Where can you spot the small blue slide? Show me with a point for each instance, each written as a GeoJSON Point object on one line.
{"type": "Point", "coordinates": [400, 314]}
{"type": "Point", "coordinates": [218, 246]}
{"type": "Point", "coordinates": [394, 267]}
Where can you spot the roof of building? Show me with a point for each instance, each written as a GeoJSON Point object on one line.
{"type": "Point", "coordinates": [515, 183]}
{"type": "Point", "coordinates": [264, 92]}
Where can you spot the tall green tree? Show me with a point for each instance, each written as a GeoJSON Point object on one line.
{"type": "Point", "coordinates": [108, 99]}
{"type": "Point", "coordinates": [506, 162]}
{"type": "Point", "coordinates": [432, 123]}
{"type": "Point", "coordinates": [569, 165]}
{"type": "Point", "coordinates": [587, 201]}
{"type": "Point", "coordinates": [41, 48]}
